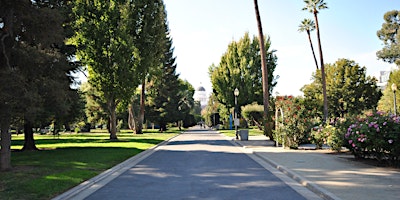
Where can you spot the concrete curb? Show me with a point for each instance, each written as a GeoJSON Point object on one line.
{"type": "Point", "coordinates": [86, 188]}
{"type": "Point", "coordinates": [325, 194]}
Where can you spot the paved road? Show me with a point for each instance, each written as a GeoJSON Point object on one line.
{"type": "Point", "coordinates": [201, 165]}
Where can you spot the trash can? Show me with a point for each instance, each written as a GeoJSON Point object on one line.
{"type": "Point", "coordinates": [243, 134]}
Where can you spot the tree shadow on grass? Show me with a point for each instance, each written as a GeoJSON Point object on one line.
{"type": "Point", "coordinates": [87, 140]}
{"type": "Point", "coordinates": [46, 173]}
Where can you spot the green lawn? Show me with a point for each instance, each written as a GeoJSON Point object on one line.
{"type": "Point", "coordinates": [65, 161]}
{"type": "Point", "coordinates": [252, 132]}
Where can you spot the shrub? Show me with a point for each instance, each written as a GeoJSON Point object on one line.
{"type": "Point", "coordinates": [297, 121]}
{"type": "Point", "coordinates": [253, 113]}
{"type": "Point", "coordinates": [375, 136]}
{"type": "Point", "coordinates": [328, 135]}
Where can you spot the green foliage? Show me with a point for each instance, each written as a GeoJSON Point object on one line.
{"type": "Point", "coordinates": [308, 25]}
{"type": "Point", "coordinates": [96, 107]}
{"type": "Point", "coordinates": [298, 119]}
{"type": "Point", "coordinates": [187, 107]}
{"type": "Point", "coordinates": [163, 92]}
{"type": "Point", "coordinates": [35, 68]}
{"type": "Point", "coordinates": [314, 5]}
{"type": "Point", "coordinates": [328, 135]}
{"type": "Point", "coordinates": [386, 103]}
{"type": "Point", "coordinates": [389, 34]}
{"type": "Point", "coordinates": [375, 136]}
{"type": "Point", "coordinates": [349, 89]}
{"type": "Point", "coordinates": [240, 67]}
{"type": "Point", "coordinates": [105, 44]}
{"type": "Point", "coordinates": [253, 113]}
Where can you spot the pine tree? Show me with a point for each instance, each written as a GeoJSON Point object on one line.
{"type": "Point", "coordinates": [164, 95]}
{"type": "Point", "coordinates": [34, 70]}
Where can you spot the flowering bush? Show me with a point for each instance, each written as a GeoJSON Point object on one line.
{"type": "Point", "coordinates": [297, 121]}
{"type": "Point", "coordinates": [375, 136]}
{"type": "Point", "coordinates": [328, 135]}
{"type": "Point", "coordinates": [331, 134]}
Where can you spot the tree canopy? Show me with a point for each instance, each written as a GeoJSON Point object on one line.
{"type": "Point", "coordinates": [240, 68]}
{"type": "Point", "coordinates": [35, 73]}
{"type": "Point", "coordinates": [349, 89]}
{"type": "Point", "coordinates": [390, 35]}
{"type": "Point", "coordinates": [105, 44]}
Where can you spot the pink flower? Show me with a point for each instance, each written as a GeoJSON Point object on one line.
{"type": "Point", "coordinates": [390, 141]}
{"type": "Point", "coordinates": [350, 141]}
{"type": "Point", "coordinates": [384, 123]}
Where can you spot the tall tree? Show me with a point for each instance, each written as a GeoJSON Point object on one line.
{"type": "Point", "coordinates": [264, 68]}
{"type": "Point", "coordinates": [240, 68]}
{"type": "Point", "coordinates": [163, 92]}
{"type": "Point", "coordinates": [349, 89]}
{"type": "Point", "coordinates": [148, 31]}
{"type": "Point", "coordinates": [106, 46]}
{"type": "Point", "coordinates": [308, 25]}
{"type": "Point", "coordinates": [390, 35]}
{"type": "Point", "coordinates": [35, 74]}
{"type": "Point", "coordinates": [313, 6]}
{"type": "Point", "coordinates": [186, 104]}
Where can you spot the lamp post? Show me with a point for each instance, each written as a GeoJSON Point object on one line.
{"type": "Point", "coordinates": [236, 93]}
{"type": "Point", "coordinates": [394, 88]}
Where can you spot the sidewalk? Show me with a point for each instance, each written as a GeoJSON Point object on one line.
{"type": "Point", "coordinates": [329, 174]}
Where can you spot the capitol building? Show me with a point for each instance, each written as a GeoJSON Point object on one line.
{"type": "Point", "coordinates": [201, 95]}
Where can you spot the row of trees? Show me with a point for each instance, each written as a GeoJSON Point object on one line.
{"type": "Point", "coordinates": [125, 44]}
{"type": "Point", "coordinates": [35, 69]}
{"type": "Point", "coordinates": [122, 44]}
{"type": "Point", "coordinates": [344, 84]}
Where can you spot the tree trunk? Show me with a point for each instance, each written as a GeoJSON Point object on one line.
{"type": "Point", "coordinates": [5, 143]}
{"type": "Point", "coordinates": [131, 118]}
{"type": "Point", "coordinates": [322, 70]}
{"type": "Point", "coordinates": [113, 120]}
{"type": "Point", "coordinates": [139, 123]}
{"type": "Point", "coordinates": [7, 38]}
{"type": "Point", "coordinates": [312, 49]}
{"type": "Point", "coordinates": [264, 72]}
{"type": "Point", "coordinates": [29, 141]}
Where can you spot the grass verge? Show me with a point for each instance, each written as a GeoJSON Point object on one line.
{"type": "Point", "coordinates": [252, 132]}
{"type": "Point", "coordinates": [65, 161]}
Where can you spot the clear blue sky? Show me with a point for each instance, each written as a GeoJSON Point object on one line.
{"type": "Point", "coordinates": [202, 29]}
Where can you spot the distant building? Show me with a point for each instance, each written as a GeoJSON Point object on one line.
{"type": "Point", "coordinates": [383, 79]}
{"type": "Point", "coordinates": [201, 95]}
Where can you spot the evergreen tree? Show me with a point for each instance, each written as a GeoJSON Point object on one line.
{"type": "Point", "coordinates": [390, 35]}
{"type": "Point", "coordinates": [35, 73]}
{"type": "Point", "coordinates": [163, 91]}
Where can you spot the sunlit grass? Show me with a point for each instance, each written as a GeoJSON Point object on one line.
{"type": "Point", "coordinates": [66, 160]}
{"type": "Point", "coordinates": [252, 132]}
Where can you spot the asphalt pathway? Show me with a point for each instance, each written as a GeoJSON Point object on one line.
{"type": "Point", "coordinates": [201, 164]}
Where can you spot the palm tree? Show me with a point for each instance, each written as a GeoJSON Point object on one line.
{"type": "Point", "coordinates": [313, 6]}
{"type": "Point", "coordinates": [308, 25]}
{"type": "Point", "coordinates": [264, 71]}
